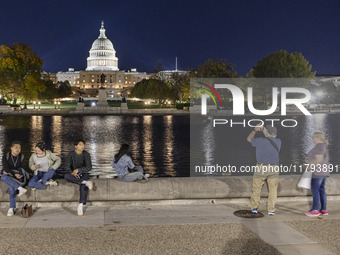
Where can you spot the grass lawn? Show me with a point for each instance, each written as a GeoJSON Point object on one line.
{"type": "Point", "coordinates": [63, 105]}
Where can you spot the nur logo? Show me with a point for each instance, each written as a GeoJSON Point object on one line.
{"type": "Point", "coordinates": [205, 97]}
{"type": "Point", "coordinates": [238, 99]}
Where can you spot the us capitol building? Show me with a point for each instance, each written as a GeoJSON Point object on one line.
{"type": "Point", "coordinates": [102, 60]}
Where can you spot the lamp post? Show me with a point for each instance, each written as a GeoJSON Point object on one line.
{"type": "Point", "coordinates": [59, 105]}
{"type": "Point", "coordinates": [39, 104]}
{"type": "Point", "coordinates": [34, 102]}
{"type": "Point", "coordinates": [55, 104]}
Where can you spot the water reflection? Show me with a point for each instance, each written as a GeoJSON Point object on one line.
{"type": "Point", "coordinates": [56, 137]}
{"type": "Point", "coordinates": [208, 143]}
{"type": "Point", "coordinates": [36, 131]}
{"type": "Point", "coordinates": [162, 143]}
{"type": "Point", "coordinates": [2, 138]}
{"type": "Point", "coordinates": [135, 151]}
{"type": "Point", "coordinates": [224, 145]}
{"type": "Point", "coordinates": [169, 145]}
{"type": "Point", "coordinates": [148, 144]}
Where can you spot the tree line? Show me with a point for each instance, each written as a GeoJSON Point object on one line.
{"type": "Point", "coordinates": [22, 77]}
{"type": "Point", "coordinates": [279, 64]}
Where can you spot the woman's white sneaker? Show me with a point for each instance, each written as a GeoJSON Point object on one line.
{"type": "Point", "coordinates": [10, 212]}
{"type": "Point", "coordinates": [80, 210]}
{"type": "Point", "coordinates": [52, 183]}
{"type": "Point", "coordinates": [89, 184]}
{"type": "Point", "coordinates": [21, 191]}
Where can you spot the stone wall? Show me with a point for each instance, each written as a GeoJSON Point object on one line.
{"type": "Point", "coordinates": [176, 188]}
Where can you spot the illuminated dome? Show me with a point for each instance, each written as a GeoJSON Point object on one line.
{"type": "Point", "coordinates": [102, 54]}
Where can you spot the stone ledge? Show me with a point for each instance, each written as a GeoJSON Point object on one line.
{"type": "Point", "coordinates": [176, 188]}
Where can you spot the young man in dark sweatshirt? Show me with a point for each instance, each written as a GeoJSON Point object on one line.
{"type": "Point", "coordinates": [14, 174]}
{"type": "Point", "coordinates": [78, 164]}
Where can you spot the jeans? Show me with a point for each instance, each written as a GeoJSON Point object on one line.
{"type": "Point", "coordinates": [83, 189]}
{"type": "Point", "coordinates": [319, 193]}
{"type": "Point", "coordinates": [43, 176]}
{"type": "Point", "coordinates": [130, 177]}
{"type": "Point", "coordinates": [13, 186]}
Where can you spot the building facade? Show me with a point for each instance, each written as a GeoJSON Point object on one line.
{"type": "Point", "coordinates": [71, 76]}
{"type": "Point", "coordinates": [102, 60]}
{"type": "Point", "coordinates": [102, 54]}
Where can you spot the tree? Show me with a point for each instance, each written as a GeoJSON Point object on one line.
{"type": "Point", "coordinates": [215, 69]}
{"type": "Point", "coordinates": [180, 87]}
{"type": "Point", "coordinates": [210, 70]}
{"type": "Point", "coordinates": [20, 71]}
{"type": "Point", "coordinates": [51, 91]}
{"type": "Point", "coordinates": [64, 89]}
{"type": "Point", "coordinates": [158, 67]}
{"type": "Point", "coordinates": [281, 64]}
{"type": "Point", "coordinates": [152, 89]}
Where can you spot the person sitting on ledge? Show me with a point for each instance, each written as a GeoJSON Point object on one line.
{"type": "Point", "coordinates": [14, 174]}
{"type": "Point", "coordinates": [78, 165]}
{"type": "Point", "coordinates": [44, 163]}
{"type": "Point", "coordinates": [125, 169]}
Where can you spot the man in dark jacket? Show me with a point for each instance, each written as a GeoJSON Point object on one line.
{"type": "Point", "coordinates": [78, 164]}
{"type": "Point", "coordinates": [15, 174]}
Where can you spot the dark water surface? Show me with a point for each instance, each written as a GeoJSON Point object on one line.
{"type": "Point", "coordinates": [224, 145]}
{"type": "Point", "coordinates": [159, 143]}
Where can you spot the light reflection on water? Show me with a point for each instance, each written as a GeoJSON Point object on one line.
{"type": "Point", "coordinates": [224, 145]}
{"type": "Point", "coordinates": [159, 143]}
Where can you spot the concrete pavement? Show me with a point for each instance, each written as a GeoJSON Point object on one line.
{"type": "Point", "coordinates": [177, 229]}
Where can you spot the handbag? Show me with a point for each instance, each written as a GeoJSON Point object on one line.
{"type": "Point", "coordinates": [26, 211]}
{"type": "Point", "coordinates": [305, 180]}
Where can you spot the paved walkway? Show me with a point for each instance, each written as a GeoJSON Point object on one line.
{"type": "Point", "coordinates": [195, 229]}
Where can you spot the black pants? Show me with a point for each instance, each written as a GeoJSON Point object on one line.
{"type": "Point", "coordinates": [83, 189]}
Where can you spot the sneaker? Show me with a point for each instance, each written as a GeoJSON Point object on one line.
{"type": "Point", "coordinates": [33, 188]}
{"type": "Point", "coordinates": [80, 210]}
{"type": "Point", "coordinates": [146, 178]}
{"type": "Point", "coordinates": [313, 213]}
{"type": "Point", "coordinates": [10, 212]}
{"type": "Point", "coordinates": [271, 213]}
{"type": "Point", "coordinates": [143, 181]}
{"type": "Point", "coordinates": [21, 191]}
{"type": "Point", "coordinates": [52, 183]}
{"type": "Point", "coordinates": [147, 175]}
{"type": "Point", "coordinates": [89, 184]}
{"type": "Point", "coordinates": [254, 210]}
{"type": "Point", "coordinates": [324, 212]}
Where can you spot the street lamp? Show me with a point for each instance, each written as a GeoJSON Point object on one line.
{"type": "Point", "coordinates": [59, 105]}
{"type": "Point", "coordinates": [34, 102]}
{"type": "Point", "coordinates": [39, 104]}
{"type": "Point", "coordinates": [55, 104]}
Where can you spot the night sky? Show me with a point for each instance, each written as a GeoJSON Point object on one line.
{"type": "Point", "coordinates": [145, 32]}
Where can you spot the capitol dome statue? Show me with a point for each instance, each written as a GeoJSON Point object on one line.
{"type": "Point", "coordinates": [102, 54]}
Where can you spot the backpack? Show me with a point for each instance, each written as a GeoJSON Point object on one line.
{"type": "Point", "coordinates": [22, 157]}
